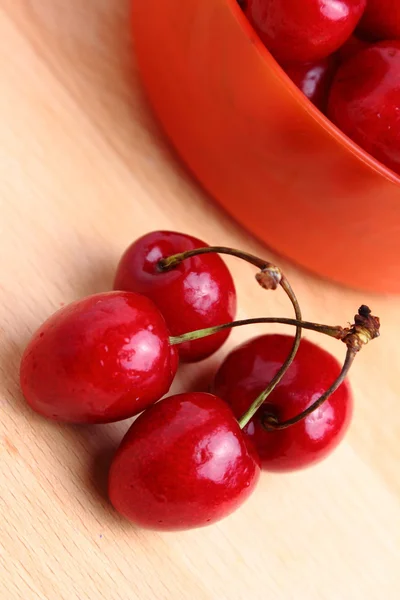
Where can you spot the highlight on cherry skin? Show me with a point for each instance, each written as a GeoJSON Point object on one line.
{"type": "Point", "coordinates": [313, 78]}
{"type": "Point", "coordinates": [183, 464]}
{"type": "Point", "coordinates": [247, 370]}
{"type": "Point", "coordinates": [196, 294]}
{"type": "Point", "coordinates": [304, 30]}
{"type": "Point", "coordinates": [100, 359]}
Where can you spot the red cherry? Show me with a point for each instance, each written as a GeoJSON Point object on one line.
{"type": "Point", "coordinates": [184, 463]}
{"type": "Point", "coordinates": [381, 20]}
{"type": "Point", "coordinates": [313, 78]}
{"type": "Point", "coordinates": [246, 372]}
{"type": "Point", "coordinates": [197, 294]}
{"type": "Point", "coordinates": [100, 359]}
{"type": "Point", "coordinates": [305, 30]}
{"type": "Point", "coordinates": [364, 101]}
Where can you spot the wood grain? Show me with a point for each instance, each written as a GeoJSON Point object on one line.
{"type": "Point", "coordinates": [84, 169]}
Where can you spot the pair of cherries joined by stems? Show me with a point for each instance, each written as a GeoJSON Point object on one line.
{"type": "Point", "coordinates": [277, 402]}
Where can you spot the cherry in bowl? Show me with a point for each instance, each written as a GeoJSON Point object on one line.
{"type": "Point", "coordinates": [364, 101]}
{"type": "Point", "coordinates": [304, 30]}
{"type": "Point", "coordinates": [100, 359]}
{"type": "Point", "coordinates": [183, 464]}
{"type": "Point", "coordinates": [247, 371]}
{"type": "Point", "coordinates": [197, 294]}
{"type": "Point", "coordinates": [313, 78]}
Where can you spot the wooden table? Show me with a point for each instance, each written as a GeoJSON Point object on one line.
{"type": "Point", "coordinates": [83, 171]}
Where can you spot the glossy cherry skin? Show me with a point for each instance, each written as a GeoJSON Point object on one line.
{"type": "Point", "coordinates": [246, 372]}
{"type": "Point", "coordinates": [100, 359]}
{"type": "Point", "coordinates": [304, 30]}
{"type": "Point", "coordinates": [199, 293]}
{"type": "Point", "coordinates": [313, 78]}
{"type": "Point", "coordinates": [184, 463]}
{"type": "Point", "coordinates": [381, 20]}
{"type": "Point", "coordinates": [364, 101]}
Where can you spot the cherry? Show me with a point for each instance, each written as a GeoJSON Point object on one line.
{"type": "Point", "coordinates": [197, 294]}
{"type": "Point", "coordinates": [381, 20]}
{"type": "Point", "coordinates": [100, 359]}
{"type": "Point", "coordinates": [184, 463]}
{"type": "Point", "coordinates": [364, 101]}
{"type": "Point", "coordinates": [306, 30]}
{"type": "Point", "coordinates": [313, 78]}
{"type": "Point", "coordinates": [246, 372]}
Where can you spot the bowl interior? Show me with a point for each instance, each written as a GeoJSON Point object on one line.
{"type": "Point", "coordinates": [300, 99]}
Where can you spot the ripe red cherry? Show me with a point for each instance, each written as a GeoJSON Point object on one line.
{"type": "Point", "coordinates": [100, 359]}
{"type": "Point", "coordinates": [305, 30]}
{"type": "Point", "coordinates": [313, 78]}
{"type": "Point", "coordinates": [364, 101]}
{"type": "Point", "coordinates": [199, 293]}
{"type": "Point", "coordinates": [246, 372]}
{"type": "Point", "coordinates": [381, 20]}
{"type": "Point", "coordinates": [184, 463]}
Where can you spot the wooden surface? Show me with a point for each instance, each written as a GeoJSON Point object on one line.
{"type": "Point", "coordinates": [83, 171]}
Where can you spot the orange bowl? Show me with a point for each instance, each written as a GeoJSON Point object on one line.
{"type": "Point", "coordinates": [262, 149]}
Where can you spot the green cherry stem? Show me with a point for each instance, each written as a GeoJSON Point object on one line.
{"type": "Point", "coordinates": [268, 277]}
{"type": "Point", "coordinates": [335, 331]}
{"type": "Point", "coordinates": [365, 328]}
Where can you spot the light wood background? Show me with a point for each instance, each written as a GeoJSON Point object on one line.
{"type": "Point", "coordinates": [83, 171]}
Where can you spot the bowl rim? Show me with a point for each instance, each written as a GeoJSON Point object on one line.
{"type": "Point", "coordinates": [304, 102]}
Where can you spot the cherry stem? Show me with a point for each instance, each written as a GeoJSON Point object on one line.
{"type": "Point", "coordinates": [271, 423]}
{"type": "Point", "coordinates": [296, 343]}
{"type": "Point", "coordinates": [268, 277]}
{"type": "Point", "coordinates": [365, 328]}
{"type": "Point", "coordinates": [165, 264]}
{"type": "Point", "coordinates": [335, 331]}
